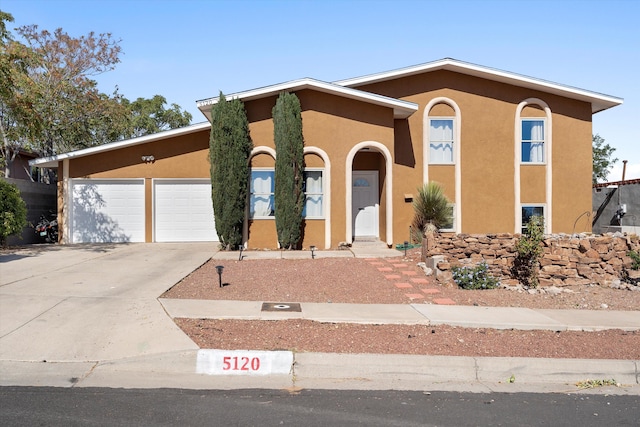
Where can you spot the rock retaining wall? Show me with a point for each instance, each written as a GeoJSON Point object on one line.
{"type": "Point", "coordinates": [567, 260]}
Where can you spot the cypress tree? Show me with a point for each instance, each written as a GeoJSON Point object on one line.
{"type": "Point", "coordinates": [230, 146]}
{"type": "Point", "coordinates": [289, 170]}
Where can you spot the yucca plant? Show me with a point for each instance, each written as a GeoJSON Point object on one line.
{"type": "Point", "coordinates": [431, 208]}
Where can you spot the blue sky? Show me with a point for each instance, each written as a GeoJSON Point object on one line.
{"type": "Point", "coordinates": [192, 49]}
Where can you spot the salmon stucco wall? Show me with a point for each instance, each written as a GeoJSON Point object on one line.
{"type": "Point", "coordinates": [487, 149]}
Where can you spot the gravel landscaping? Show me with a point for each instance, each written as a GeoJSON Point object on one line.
{"type": "Point", "coordinates": [390, 281]}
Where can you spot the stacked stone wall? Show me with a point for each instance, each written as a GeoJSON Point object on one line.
{"type": "Point", "coordinates": [566, 261]}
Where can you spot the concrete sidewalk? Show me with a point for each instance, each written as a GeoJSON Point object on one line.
{"type": "Point", "coordinates": [411, 314]}
{"type": "Point", "coordinates": [89, 316]}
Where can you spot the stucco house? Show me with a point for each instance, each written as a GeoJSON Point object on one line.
{"type": "Point", "coordinates": [503, 145]}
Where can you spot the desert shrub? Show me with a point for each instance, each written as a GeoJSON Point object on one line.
{"type": "Point", "coordinates": [431, 210]}
{"type": "Point", "coordinates": [635, 256]}
{"type": "Point", "coordinates": [529, 251]}
{"type": "Point", "coordinates": [477, 277]}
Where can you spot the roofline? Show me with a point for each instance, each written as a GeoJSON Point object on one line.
{"type": "Point", "coordinates": [401, 109]}
{"type": "Point", "coordinates": [52, 161]}
{"type": "Point", "coordinates": [617, 183]}
{"type": "Point", "coordinates": [598, 101]}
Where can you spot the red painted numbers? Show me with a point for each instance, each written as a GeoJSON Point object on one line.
{"type": "Point", "coordinates": [235, 363]}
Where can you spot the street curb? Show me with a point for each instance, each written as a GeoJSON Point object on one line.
{"type": "Point", "coordinates": [334, 371]}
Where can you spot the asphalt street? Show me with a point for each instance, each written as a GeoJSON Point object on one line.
{"type": "Point", "coordinates": [252, 407]}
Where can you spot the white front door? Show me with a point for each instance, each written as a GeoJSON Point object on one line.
{"type": "Point", "coordinates": [365, 203]}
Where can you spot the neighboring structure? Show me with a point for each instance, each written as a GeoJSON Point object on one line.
{"type": "Point", "coordinates": [616, 207]}
{"type": "Point", "coordinates": [504, 146]}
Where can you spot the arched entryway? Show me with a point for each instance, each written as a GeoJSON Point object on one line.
{"type": "Point", "coordinates": [368, 169]}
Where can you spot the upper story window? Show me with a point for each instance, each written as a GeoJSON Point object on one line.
{"type": "Point", "coordinates": [441, 140]}
{"type": "Point", "coordinates": [533, 139]}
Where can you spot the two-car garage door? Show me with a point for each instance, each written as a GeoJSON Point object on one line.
{"type": "Point", "coordinates": [113, 210]}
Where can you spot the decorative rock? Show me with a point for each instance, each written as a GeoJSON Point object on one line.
{"type": "Point", "coordinates": [552, 290]}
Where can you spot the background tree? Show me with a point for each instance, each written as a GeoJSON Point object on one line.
{"type": "Point", "coordinates": [230, 146]}
{"type": "Point", "coordinates": [50, 104]}
{"type": "Point", "coordinates": [289, 170]}
{"type": "Point", "coordinates": [150, 116]}
{"type": "Point", "coordinates": [602, 160]}
{"type": "Point", "coordinates": [13, 211]}
{"type": "Point", "coordinates": [64, 97]}
{"type": "Point", "coordinates": [17, 127]}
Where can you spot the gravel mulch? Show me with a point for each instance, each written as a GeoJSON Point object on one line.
{"type": "Point", "coordinates": [390, 281]}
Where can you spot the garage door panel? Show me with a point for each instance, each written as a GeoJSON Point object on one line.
{"type": "Point", "coordinates": [106, 211]}
{"type": "Point", "coordinates": [183, 211]}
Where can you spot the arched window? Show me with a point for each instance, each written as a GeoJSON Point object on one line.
{"type": "Point", "coordinates": [441, 133]}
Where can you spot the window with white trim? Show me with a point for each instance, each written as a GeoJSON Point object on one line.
{"type": "Point", "coordinates": [313, 194]}
{"type": "Point", "coordinates": [450, 226]}
{"type": "Point", "coordinates": [532, 140]}
{"type": "Point", "coordinates": [529, 211]}
{"type": "Point", "coordinates": [441, 140]}
{"type": "Point", "coordinates": [261, 199]}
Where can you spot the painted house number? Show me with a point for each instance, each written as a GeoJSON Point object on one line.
{"type": "Point", "coordinates": [243, 362]}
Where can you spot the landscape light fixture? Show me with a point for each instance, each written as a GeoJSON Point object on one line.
{"type": "Point", "coordinates": [219, 269]}
{"type": "Point", "coordinates": [406, 245]}
{"type": "Point", "coordinates": [313, 248]}
{"type": "Point", "coordinates": [240, 256]}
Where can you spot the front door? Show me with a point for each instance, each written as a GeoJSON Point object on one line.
{"type": "Point", "coordinates": [365, 203]}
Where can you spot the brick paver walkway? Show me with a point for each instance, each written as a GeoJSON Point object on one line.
{"type": "Point", "coordinates": [407, 277]}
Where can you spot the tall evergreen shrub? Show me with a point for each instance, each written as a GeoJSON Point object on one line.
{"type": "Point", "coordinates": [230, 147]}
{"type": "Point", "coordinates": [289, 170]}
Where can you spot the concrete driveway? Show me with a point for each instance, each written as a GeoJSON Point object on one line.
{"type": "Point", "coordinates": [82, 303]}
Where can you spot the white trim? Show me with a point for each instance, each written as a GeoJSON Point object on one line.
{"type": "Point", "coordinates": [548, 164]}
{"type": "Point", "coordinates": [67, 202]}
{"type": "Point", "coordinates": [261, 149]}
{"type": "Point", "coordinates": [326, 177]}
{"type": "Point", "coordinates": [401, 108]}
{"type": "Point", "coordinates": [452, 230]}
{"type": "Point", "coordinates": [545, 213]}
{"type": "Point", "coordinates": [598, 101]}
{"type": "Point", "coordinates": [388, 192]}
{"type": "Point", "coordinates": [457, 147]}
{"type": "Point", "coordinates": [52, 162]}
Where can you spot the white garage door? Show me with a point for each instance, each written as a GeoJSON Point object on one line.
{"type": "Point", "coordinates": [107, 210]}
{"type": "Point", "coordinates": [183, 211]}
